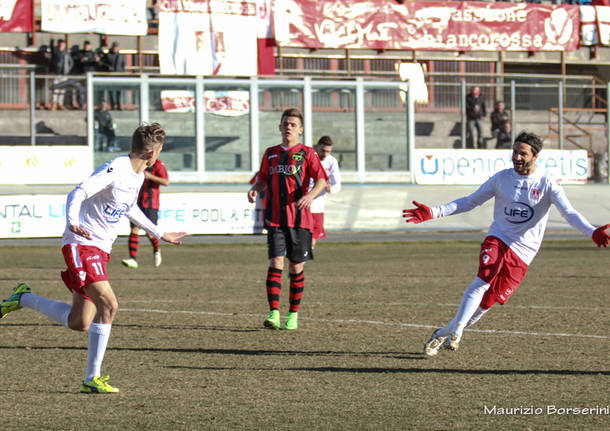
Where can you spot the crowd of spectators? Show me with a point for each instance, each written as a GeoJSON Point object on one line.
{"type": "Point", "coordinates": [68, 90]}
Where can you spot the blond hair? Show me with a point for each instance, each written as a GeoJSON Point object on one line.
{"type": "Point", "coordinates": [146, 138]}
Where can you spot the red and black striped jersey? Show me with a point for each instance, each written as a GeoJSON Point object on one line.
{"type": "Point", "coordinates": [287, 172]}
{"type": "Point", "coordinates": [149, 193]}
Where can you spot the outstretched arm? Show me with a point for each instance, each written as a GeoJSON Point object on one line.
{"type": "Point", "coordinates": [600, 237]}
{"type": "Point", "coordinates": [417, 215]}
{"type": "Point", "coordinates": [173, 237]}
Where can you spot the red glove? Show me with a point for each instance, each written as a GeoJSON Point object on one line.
{"type": "Point", "coordinates": [600, 237]}
{"type": "Point", "coordinates": [419, 214]}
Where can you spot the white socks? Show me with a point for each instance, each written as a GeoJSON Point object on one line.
{"type": "Point", "coordinates": [98, 340]}
{"type": "Point", "coordinates": [469, 310]}
{"type": "Point", "coordinates": [55, 310]}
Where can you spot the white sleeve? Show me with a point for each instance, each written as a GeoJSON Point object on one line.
{"type": "Point", "coordinates": [98, 181]}
{"type": "Point", "coordinates": [136, 215]}
{"type": "Point", "coordinates": [568, 212]}
{"type": "Point", "coordinates": [465, 204]}
{"type": "Point", "coordinates": [334, 178]}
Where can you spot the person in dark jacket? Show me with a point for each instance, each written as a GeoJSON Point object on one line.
{"type": "Point", "coordinates": [497, 117]}
{"type": "Point", "coordinates": [61, 65]}
{"type": "Point", "coordinates": [105, 136]}
{"type": "Point", "coordinates": [114, 61]}
{"type": "Point", "coordinates": [475, 111]}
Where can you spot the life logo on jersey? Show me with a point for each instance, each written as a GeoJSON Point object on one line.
{"type": "Point", "coordinates": [113, 215]}
{"type": "Point", "coordinates": [518, 212]}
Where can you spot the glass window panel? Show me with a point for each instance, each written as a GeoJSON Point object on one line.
{"type": "Point", "coordinates": [120, 115]}
{"type": "Point", "coordinates": [334, 115]}
{"type": "Point", "coordinates": [385, 120]}
{"type": "Point", "coordinates": [272, 102]}
{"type": "Point", "coordinates": [227, 128]}
{"type": "Point", "coordinates": [173, 106]}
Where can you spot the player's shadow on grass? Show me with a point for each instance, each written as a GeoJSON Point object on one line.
{"type": "Point", "coordinates": [370, 370]}
{"type": "Point", "coordinates": [373, 370]}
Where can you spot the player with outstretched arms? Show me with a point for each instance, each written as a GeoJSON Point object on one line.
{"type": "Point", "coordinates": [93, 210]}
{"type": "Point", "coordinates": [523, 197]}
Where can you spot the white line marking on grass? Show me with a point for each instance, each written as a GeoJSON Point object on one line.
{"type": "Point", "coordinates": [385, 304]}
{"type": "Point", "coordinates": [369, 322]}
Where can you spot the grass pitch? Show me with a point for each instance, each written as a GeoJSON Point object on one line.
{"type": "Point", "coordinates": [188, 350]}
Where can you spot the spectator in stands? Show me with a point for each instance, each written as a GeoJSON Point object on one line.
{"type": "Point", "coordinates": [503, 139]}
{"type": "Point", "coordinates": [114, 61]}
{"type": "Point", "coordinates": [86, 59]}
{"type": "Point", "coordinates": [61, 65]}
{"type": "Point", "coordinates": [105, 136]}
{"type": "Point", "coordinates": [475, 112]}
{"type": "Point", "coordinates": [497, 117]}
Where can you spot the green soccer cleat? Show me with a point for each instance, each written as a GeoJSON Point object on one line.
{"type": "Point", "coordinates": [130, 263]}
{"type": "Point", "coordinates": [98, 385]}
{"type": "Point", "coordinates": [273, 320]}
{"type": "Point", "coordinates": [12, 303]}
{"type": "Point", "coordinates": [292, 321]}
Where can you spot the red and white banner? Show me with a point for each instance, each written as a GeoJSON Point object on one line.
{"type": "Point", "coordinates": [595, 25]}
{"type": "Point", "coordinates": [224, 103]}
{"type": "Point", "coordinates": [450, 26]}
{"type": "Point", "coordinates": [15, 16]}
{"type": "Point", "coordinates": [208, 37]}
{"type": "Point", "coordinates": [120, 17]}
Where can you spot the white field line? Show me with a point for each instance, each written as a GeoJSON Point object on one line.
{"type": "Point", "coordinates": [366, 322]}
{"type": "Point", "coordinates": [385, 304]}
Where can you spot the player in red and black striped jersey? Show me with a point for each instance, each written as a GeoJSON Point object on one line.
{"type": "Point", "coordinates": [285, 174]}
{"type": "Point", "coordinates": [148, 201]}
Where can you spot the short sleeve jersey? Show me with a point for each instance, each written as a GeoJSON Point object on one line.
{"type": "Point", "coordinates": [109, 193]}
{"type": "Point", "coordinates": [287, 173]}
{"type": "Point", "coordinates": [149, 194]}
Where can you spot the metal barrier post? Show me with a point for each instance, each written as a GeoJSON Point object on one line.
{"type": "Point", "coordinates": [254, 126]}
{"type": "Point", "coordinates": [513, 109]}
{"type": "Point", "coordinates": [463, 109]}
{"type": "Point", "coordinates": [32, 110]}
{"type": "Point", "coordinates": [560, 100]}
{"type": "Point", "coordinates": [608, 131]}
{"type": "Point", "coordinates": [410, 132]}
{"type": "Point", "coordinates": [360, 150]}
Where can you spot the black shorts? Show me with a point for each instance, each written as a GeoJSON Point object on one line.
{"type": "Point", "coordinates": [294, 243]}
{"type": "Point", "coordinates": [151, 213]}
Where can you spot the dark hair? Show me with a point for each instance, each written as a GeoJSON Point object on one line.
{"type": "Point", "coordinates": [146, 138]}
{"type": "Point", "coordinates": [292, 112]}
{"type": "Point", "coordinates": [530, 139]}
{"type": "Point", "coordinates": [325, 140]}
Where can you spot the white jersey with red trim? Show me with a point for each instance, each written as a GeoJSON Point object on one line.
{"type": "Point", "coordinates": [99, 202]}
{"type": "Point", "coordinates": [521, 209]}
{"type": "Point", "coordinates": [331, 166]}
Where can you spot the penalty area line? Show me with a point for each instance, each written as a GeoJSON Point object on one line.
{"type": "Point", "coordinates": [370, 322]}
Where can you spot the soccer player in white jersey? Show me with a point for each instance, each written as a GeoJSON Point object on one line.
{"type": "Point", "coordinates": [523, 198]}
{"type": "Point", "coordinates": [324, 148]}
{"type": "Point", "coordinates": [93, 209]}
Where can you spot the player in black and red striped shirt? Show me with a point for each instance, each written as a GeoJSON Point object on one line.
{"type": "Point", "coordinates": [285, 172]}
{"type": "Point", "coordinates": [148, 201]}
